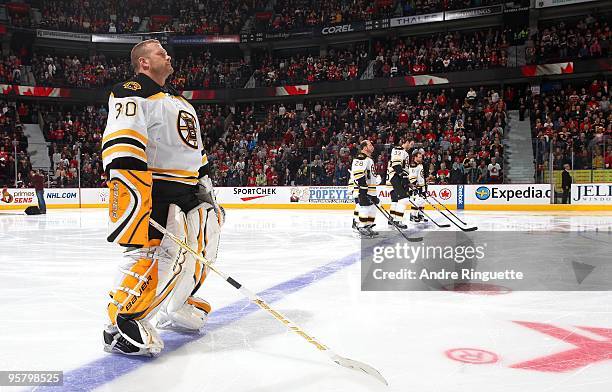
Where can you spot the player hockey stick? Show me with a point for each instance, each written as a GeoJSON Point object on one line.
{"type": "Point", "coordinates": [473, 228]}
{"type": "Point", "coordinates": [446, 208]}
{"type": "Point", "coordinates": [342, 361]}
{"type": "Point", "coordinates": [440, 225]}
{"type": "Point", "coordinates": [390, 219]}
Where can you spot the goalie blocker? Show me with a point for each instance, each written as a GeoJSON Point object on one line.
{"type": "Point", "coordinates": [157, 277]}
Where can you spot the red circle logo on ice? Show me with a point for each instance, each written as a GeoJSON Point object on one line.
{"type": "Point", "coordinates": [477, 288]}
{"type": "Point", "coordinates": [445, 194]}
{"type": "Point", "coordinates": [472, 355]}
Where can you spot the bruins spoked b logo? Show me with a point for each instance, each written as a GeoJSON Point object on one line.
{"type": "Point", "coordinates": [187, 128]}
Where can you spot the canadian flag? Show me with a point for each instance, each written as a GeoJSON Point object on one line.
{"type": "Point", "coordinates": [548, 69]}
{"type": "Point", "coordinates": [302, 89]}
{"type": "Point", "coordinates": [199, 94]}
{"type": "Point", "coordinates": [424, 80]}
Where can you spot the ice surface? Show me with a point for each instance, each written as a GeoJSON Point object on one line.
{"type": "Point", "coordinates": [56, 271]}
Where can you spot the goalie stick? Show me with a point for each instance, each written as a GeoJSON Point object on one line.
{"type": "Point", "coordinates": [342, 361]}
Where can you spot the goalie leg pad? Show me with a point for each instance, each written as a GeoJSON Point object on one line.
{"type": "Point", "coordinates": [182, 311]}
{"type": "Point", "coordinates": [191, 317]}
{"type": "Point", "coordinates": [129, 206]}
{"type": "Point", "coordinates": [145, 282]}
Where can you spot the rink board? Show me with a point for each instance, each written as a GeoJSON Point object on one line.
{"type": "Point", "coordinates": [515, 197]}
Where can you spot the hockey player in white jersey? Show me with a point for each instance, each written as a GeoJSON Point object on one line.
{"type": "Point", "coordinates": [397, 176]}
{"type": "Point", "coordinates": [364, 176]}
{"type": "Point", "coordinates": [353, 188]}
{"type": "Point", "coordinates": [416, 176]}
{"type": "Point", "coordinates": [157, 168]}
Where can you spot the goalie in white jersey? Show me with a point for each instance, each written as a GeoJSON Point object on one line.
{"type": "Point", "coordinates": [365, 178]}
{"type": "Point", "coordinates": [153, 153]}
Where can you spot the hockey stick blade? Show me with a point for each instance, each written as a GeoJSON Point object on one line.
{"type": "Point", "coordinates": [358, 366]}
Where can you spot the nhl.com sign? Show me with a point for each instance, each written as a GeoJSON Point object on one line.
{"type": "Point", "coordinates": [591, 194]}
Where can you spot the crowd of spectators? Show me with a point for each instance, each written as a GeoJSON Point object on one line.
{"type": "Point", "coordinates": [308, 68]}
{"type": "Point", "coordinates": [294, 14]}
{"type": "Point", "coordinates": [68, 129]}
{"type": "Point", "coordinates": [308, 144]}
{"type": "Point", "coordinates": [201, 72]}
{"type": "Point", "coordinates": [314, 144]}
{"type": "Point", "coordinates": [420, 7]}
{"type": "Point", "coordinates": [117, 17]}
{"type": "Point", "coordinates": [212, 16]}
{"type": "Point", "coordinates": [443, 52]}
{"type": "Point", "coordinates": [588, 37]}
{"type": "Point", "coordinates": [206, 71]}
{"type": "Point", "coordinates": [11, 69]}
{"type": "Point", "coordinates": [393, 56]}
{"type": "Point", "coordinates": [73, 71]}
{"type": "Point", "coordinates": [576, 123]}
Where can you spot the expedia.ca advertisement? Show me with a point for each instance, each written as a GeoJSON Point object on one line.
{"type": "Point", "coordinates": [507, 194]}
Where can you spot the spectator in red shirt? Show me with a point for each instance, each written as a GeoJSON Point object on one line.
{"type": "Point", "coordinates": [272, 177]}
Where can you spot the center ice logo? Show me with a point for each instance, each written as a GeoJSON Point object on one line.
{"type": "Point", "coordinates": [483, 193]}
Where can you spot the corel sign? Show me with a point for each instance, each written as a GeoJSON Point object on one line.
{"type": "Point", "coordinates": [591, 194]}
{"type": "Point", "coordinates": [337, 29]}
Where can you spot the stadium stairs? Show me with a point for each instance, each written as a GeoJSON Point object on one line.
{"type": "Point", "coordinates": [519, 153]}
{"type": "Point", "coordinates": [37, 146]}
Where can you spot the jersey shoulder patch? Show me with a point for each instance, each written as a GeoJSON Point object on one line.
{"type": "Point", "coordinates": [139, 86]}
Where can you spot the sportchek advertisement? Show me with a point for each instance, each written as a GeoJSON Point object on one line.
{"type": "Point", "coordinates": [254, 195]}
{"type": "Point", "coordinates": [591, 194]}
{"type": "Point", "coordinates": [510, 194]}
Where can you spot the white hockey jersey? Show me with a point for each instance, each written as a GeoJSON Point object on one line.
{"type": "Point", "coordinates": [363, 167]}
{"type": "Point", "coordinates": [415, 175]}
{"type": "Point", "coordinates": [399, 157]}
{"type": "Point", "coordinates": [153, 128]}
